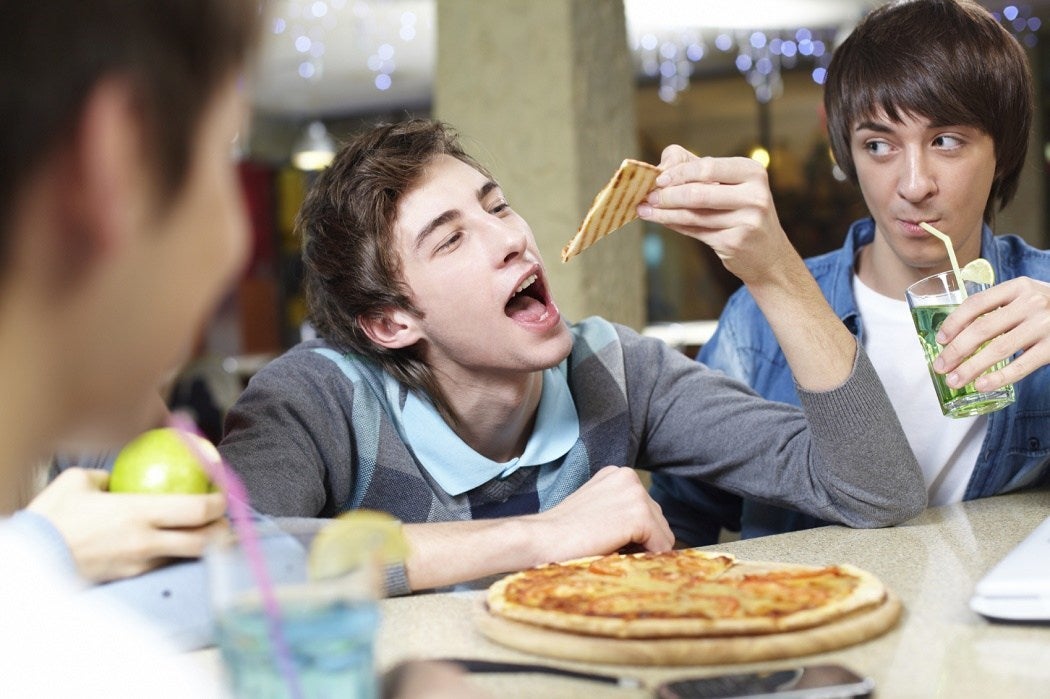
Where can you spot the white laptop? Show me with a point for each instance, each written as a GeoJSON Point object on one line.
{"type": "Point", "coordinates": [1018, 587]}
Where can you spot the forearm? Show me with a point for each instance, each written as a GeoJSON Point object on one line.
{"type": "Point", "coordinates": [845, 459]}
{"type": "Point", "coordinates": [866, 467]}
{"type": "Point", "coordinates": [819, 349]}
{"type": "Point", "coordinates": [446, 553]}
{"type": "Point", "coordinates": [45, 536]}
{"type": "Point", "coordinates": [610, 511]}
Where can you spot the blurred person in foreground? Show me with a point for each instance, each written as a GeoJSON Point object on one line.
{"type": "Point", "coordinates": [929, 107]}
{"type": "Point", "coordinates": [123, 225]}
{"type": "Point", "coordinates": [449, 391]}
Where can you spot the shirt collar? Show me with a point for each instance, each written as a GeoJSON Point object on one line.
{"type": "Point", "coordinates": [457, 468]}
{"type": "Point", "coordinates": [861, 233]}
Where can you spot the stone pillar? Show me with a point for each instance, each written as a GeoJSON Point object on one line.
{"type": "Point", "coordinates": [543, 95]}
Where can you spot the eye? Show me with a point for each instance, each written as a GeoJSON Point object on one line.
{"type": "Point", "coordinates": [450, 242]}
{"type": "Point", "coordinates": [877, 147]}
{"type": "Point", "coordinates": [947, 142]}
{"type": "Point", "coordinates": [499, 207]}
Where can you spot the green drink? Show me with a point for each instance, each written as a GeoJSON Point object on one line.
{"type": "Point", "coordinates": [931, 300]}
{"type": "Point", "coordinates": [955, 402]}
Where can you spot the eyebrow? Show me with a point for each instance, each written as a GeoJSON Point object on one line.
{"type": "Point", "coordinates": [450, 215]}
{"type": "Point", "coordinates": [872, 126]}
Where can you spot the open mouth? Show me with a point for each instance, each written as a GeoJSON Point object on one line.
{"type": "Point", "coordinates": [530, 302]}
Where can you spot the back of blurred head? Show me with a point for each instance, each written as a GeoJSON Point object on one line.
{"type": "Point", "coordinates": [949, 61]}
{"type": "Point", "coordinates": [175, 53]}
{"type": "Point", "coordinates": [120, 222]}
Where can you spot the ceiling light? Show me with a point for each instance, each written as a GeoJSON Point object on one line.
{"type": "Point", "coordinates": [315, 149]}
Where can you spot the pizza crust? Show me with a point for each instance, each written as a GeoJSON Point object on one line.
{"type": "Point", "coordinates": [570, 597]}
{"type": "Point", "coordinates": [615, 206]}
{"type": "Point", "coordinates": [851, 629]}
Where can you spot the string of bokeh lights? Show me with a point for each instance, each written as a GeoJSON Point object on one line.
{"type": "Point", "coordinates": [673, 58]}
{"type": "Point", "coordinates": [305, 23]}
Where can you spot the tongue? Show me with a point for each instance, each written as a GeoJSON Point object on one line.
{"type": "Point", "coordinates": [525, 309]}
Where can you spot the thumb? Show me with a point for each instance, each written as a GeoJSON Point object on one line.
{"type": "Point", "coordinates": [97, 479]}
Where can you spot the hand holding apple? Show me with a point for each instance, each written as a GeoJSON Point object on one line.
{"type": "Point", "coordinates": [118, 535]}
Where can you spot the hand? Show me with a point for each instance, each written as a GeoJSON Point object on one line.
{"type": "Point", "coordinates": [429, 679]}
{"type": "Point", "coordinates": [118, 535]}
{"type": "Point", "coordinates": [610, 511]}
{"type": "Point", "coordinates": [726, 204]}
{"type": "Point", "coordinates": [1010, 317]}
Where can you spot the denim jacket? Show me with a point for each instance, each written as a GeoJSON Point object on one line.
{"type": "Point", "coordinates": [1016, 449]}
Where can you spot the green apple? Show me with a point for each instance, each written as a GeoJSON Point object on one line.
{"type": "Point", "coordinates": [159, 461]}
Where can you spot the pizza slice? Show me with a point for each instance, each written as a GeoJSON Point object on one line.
{"type": "Point", "coordinates": [614, 206]}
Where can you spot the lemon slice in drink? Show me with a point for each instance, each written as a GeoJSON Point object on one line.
{"type": "Point", "coordinates": [979, 271]}
{"type": "Point", "coordinates": [352, 538]}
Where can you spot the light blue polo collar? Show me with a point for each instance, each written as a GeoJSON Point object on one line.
{"type": "Point", "coordinates": [457, 468]}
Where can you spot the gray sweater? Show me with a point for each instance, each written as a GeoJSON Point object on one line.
{"type": "Point", "coordinates": [315, 434]}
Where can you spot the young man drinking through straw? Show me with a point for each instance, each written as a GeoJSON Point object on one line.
{"type": "Point", "coordinates": [929, 107]}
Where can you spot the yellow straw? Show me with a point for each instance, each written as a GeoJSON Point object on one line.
{"type": "Point", "coordinates": [951, 253]}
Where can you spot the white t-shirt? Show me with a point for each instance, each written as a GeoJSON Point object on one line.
{"type": "Point", "coordinates": [945, 447]}
{"type": "Point", "coordinates": [57, 642]}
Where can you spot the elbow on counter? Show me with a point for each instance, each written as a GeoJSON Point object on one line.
{"type": "Point", "coordinates": [875, 514]}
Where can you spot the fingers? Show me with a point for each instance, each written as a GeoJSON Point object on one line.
{"type": "Point", "coordinates": [182, 543]}
{"type": "Point", "coordinates": [674, 155]}
{"type": "Point", "coordinates": [148, 548]}
{"type": "Point", "coordinates": [661, 538]}
{"type": "Point", "coordinates": [976, 306]}
{"type": "Point", "coordinates": [642, 516]}
{"type": "Point", "coordinates": [993, 325]}
{"type": "Point", "coordinates": [182, 511]}
{"type": "Point", "coordinates": [139, 549]}
{"type": "Point", "coordinates": [679, 166]}
{"type": "Point", "coordinates": [96, 478]}
{"type": "Point", "coordinates": [429, 678]}
{"type": "Point", "coordinates": [689, 182]}
{"type": "Point", "coordinates": [745, 193]}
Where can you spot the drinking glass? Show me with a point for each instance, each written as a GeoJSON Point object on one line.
{"type": "Point", "coordinates": [321, 641]}
{"type": "Point", "coordinates": [931, 300]}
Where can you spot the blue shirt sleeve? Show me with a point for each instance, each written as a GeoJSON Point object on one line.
{"type": "Point", "coordinates": [46, 538]}
{"type": "Point", "coordinates": [173, 599]}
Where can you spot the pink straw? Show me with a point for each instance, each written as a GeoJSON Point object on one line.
{"type": "Point", "coordinates": [240, 515]}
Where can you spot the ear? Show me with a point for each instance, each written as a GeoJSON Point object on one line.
{"type": "Point", "coordinates": [392, 328]}
{"type": "Point", "coordinates": [104, 185]}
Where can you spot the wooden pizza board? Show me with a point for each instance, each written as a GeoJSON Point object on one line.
{"type": "Point", "coordinates": [860, 626]}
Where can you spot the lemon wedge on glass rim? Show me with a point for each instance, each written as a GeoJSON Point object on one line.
{"type": "Point", "coordinates": [979, 271]}
{"type": "Point", "coordinates": [353, 538]}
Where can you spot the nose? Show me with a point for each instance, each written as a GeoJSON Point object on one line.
{"type": "Point", "coordinates": [916, 181]}
{"type": "Point", "coordinates": [507, 241]}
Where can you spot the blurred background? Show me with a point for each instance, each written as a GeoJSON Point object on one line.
{"type": "Point", "coordinates": [551, 95]}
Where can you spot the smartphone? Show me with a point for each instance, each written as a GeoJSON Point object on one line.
{"type": "Point", "coordinates": [809, 682]}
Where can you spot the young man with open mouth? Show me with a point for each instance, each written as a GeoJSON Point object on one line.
{"type": "Point", "coordinates": [449, 391]}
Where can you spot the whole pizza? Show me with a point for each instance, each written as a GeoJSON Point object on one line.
{"type": "Point", "coordinates": [682, 593]}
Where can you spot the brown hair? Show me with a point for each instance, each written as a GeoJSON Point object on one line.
{"type": "Point", "coordinates": [351, 266]}
{"type": "Point", "coordinates": [176, 53]}
{"type": "Point", "coordinates": [946, 60]}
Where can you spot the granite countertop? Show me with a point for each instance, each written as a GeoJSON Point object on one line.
{"type": "Point", "coordinates": [939, 648]}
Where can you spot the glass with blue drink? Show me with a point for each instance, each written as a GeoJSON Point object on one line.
{"type": "Point", "coordinates": [295, 634]}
